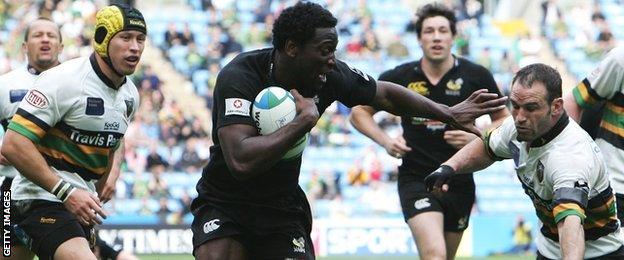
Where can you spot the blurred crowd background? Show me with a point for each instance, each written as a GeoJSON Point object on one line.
{"type": "Point", "coordinates": [344, 174]}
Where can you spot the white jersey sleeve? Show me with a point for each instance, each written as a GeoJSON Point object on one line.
{"type": "Point", "coordinates": [498, 141]}
{"type": "Point", "coordinates": [604, 82]}
{"type": "Point", "coordinates": [43, 106]}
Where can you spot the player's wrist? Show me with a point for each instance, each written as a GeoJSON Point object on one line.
{"type": "Point", "coordinates": [62, 190]}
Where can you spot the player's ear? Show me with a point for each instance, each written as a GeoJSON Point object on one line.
{"type": "Point", "coordinates": [291, 48]}
{"type": "Point", "coordinates": [557, 106]}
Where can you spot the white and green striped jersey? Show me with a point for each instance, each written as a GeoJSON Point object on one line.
{"type": "Point", "coordinates": [567, 161]}
{"type": "Point", "coordinates": [606, 82]}
{"type": "Point", "coordinates": [13, 87]}
{"type": "Point", "coordinates": [76, 118]}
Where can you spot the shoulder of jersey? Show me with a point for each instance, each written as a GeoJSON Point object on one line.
{"type": "Point", "coordinates": [617, 53]}
{"type": "Point", "coordinates": [13, 75]}
{"type": "Point", "coordinates": [68, 74]}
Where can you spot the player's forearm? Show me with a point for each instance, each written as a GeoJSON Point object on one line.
{"type": "Point", "coordinates": [471, 158]}
{"type": "Point", "coordinates": [571, 238]}
{"type": "Point", "coordinates": [571, 107]}
{"type": "Point", "coordinates": [254, 155]}
{"type": "Point", "coordinates": [400, 101]}
{"type": "Point", "coordinates": [23, 154]}
{"type": "Point", "coordinates": [362, 119]}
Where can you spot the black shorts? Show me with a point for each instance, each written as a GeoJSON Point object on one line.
{"type": "Point", "coordinates": [277, 229]}
{"type": "Point", "coordinates": [44, 225]}
{"type": "Point", "coordinates": [455, 204]}
{"type": "Point", "coordinates": [619, 203]}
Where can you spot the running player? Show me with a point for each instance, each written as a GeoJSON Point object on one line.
{"type": "Point", "coordinates": [437, 223]}
{"type": "Point", "coordinates": [250, 204]}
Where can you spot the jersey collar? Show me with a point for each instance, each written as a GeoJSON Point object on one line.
{"type": "Point", "coordinates": [418, 66]}
{"type": "Point", "coordinates": [101, 75]}
{"type": "Point", "coordinates": [553, 132]}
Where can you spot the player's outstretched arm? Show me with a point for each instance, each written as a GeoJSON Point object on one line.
{"type": "Point", "coordinates": [23, 154]}
{"type": "Point", "coordinates": [571, 237]}
{"type": "Point", "coordinates": [361, 118]}
{"type": "Point", "coordinates": [401, 101]}
{"type": "Point", "coordinates": [471, 158]}
{"type": "Point", "coordinates": [248, 154]}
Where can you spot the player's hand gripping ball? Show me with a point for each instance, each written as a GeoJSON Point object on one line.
{"type": "Point", "coordinates": [273, 108]}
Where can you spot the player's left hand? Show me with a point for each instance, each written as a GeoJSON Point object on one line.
{"type": "Point", "coordinates": [437, 181]}
{"type": "Point", "coordinates": [106, 190]}
{"type": "Point", "coordinates": [458, 138]}
{"type": "Point", "coordinates": [479, 103]}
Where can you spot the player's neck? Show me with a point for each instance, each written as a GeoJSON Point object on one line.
{"type": "Point", "coordinates": [435, 70]}
{"type": "Point", "coordinates": [116, 79]}
{"type": "Point", "coordinates": [286, 78]}
{"type": "Point", "coordinates": [39, 68]}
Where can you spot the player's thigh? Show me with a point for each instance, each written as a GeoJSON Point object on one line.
{"type": "Point", "coordinates": [215, 234]}
{"type": "Point", "coordinates": [74, 248]}
{"type": "Point", "coordinates": [226, 248]}
{"type": "Point", "coordinates": [414, 197]}
{"type": "Point", "coordinates": [44, 226]}
{"type": "Point", "coordinates": [427, 230]}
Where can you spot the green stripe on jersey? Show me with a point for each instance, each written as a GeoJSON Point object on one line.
{"type": "Point", "coordinates": [23, 131]}
{"type": "Point", "coordinates": [91, 161]}
{"type": "Point", "coordinates": [613, 117]}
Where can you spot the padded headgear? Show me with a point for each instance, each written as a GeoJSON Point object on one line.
{"type": "Point", "coordinates": [113, 19]}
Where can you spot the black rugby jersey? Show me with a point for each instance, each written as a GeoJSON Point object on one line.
{"type": "Point", "coordinates": [237, 85]}
{"type": "Point", "coordinates": [426, 136]}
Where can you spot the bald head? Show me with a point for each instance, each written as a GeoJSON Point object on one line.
{"type": "Point", "coordinates": [42, 44]}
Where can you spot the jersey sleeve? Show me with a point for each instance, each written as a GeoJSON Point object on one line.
{"type": "Point", "coordinates": [355, 87]}
{"type": "Point", "coordinates": [42, 107]}
{"type": "Point", "coordinates": [604, 82]}
{"type": "Point", "coordinates": [233, 99]}
{"type": "Point", "coordinates": [497, 141]}
{"type": "Point", "coordinates": [571, 184]}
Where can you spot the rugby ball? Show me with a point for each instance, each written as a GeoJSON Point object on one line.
{"type": "Point", "coordinates": [273, 108]}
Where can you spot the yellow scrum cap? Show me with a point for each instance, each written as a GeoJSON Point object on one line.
{"type": "Point", "coordinates": [113, 19]}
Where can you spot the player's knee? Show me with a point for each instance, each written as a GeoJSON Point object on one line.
{"type": "Point", "coordinates": [433, 252]}
{"type": "Point", "coordinates": [75, 248]}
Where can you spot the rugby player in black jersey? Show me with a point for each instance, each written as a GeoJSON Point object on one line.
{"type": "Point", "coordinates": [250, 205]}
{"type": "Point", "coordinates": [437, 223]}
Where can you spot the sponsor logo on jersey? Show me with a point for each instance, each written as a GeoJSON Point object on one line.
{"type": "Point", "coordinates": [111, 126]}
{"type": "Point", "coordinates": [94, 138]}
{"type": "Point", "coordinates": [237, 106]}
{"type": "Point", "coordinates": [45, 220]}
{"type": "Point", "coordinates": [211, 225]}
{"type": "Point", "coordinates": [453, 87]}
{"type": "Point", "coordinates": [16, 95]}
{"type": "Point", "coordinates": [95, 106]}
{"type": "Point", "coordinates": [419, 87]}
{"type": "Point", "coordinates": [422, 203]}
{"type": "Point", "coordinates": [37, 99]}
{"type": "Point", "coordinates": [540, 171]}
{"type": "Point", "coordinates": [299, 245]}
